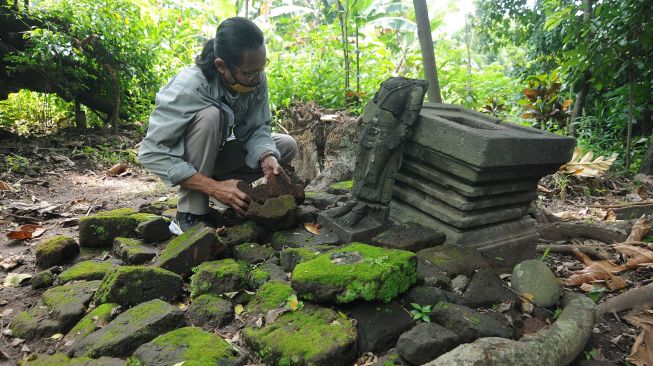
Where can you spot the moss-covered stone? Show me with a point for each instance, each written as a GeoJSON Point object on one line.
{"type": "Point", "coordinates": [252, 253]}
{"type": "Point", "coordinates": [218, 277]}
{"type": "Point", "coordinates": [291, 257]}
{"type": "Point", "coordinates": [270, 295]}
{"type": "Point", "coordinates": [247, 232]}
{"type": "Point", "coordinates": [127, 331]}
{"type": "Point", "coordinates": [342, 187]}
{"type": "Point", "coordinates": [133, 251]}
{"type": "Point", "coordinates": [190, 345]}
{"type": "Point", "coordinates": [210, 311]}
{"type": "Point", "coordinates": [275, 214]}
{"type": "Point", "coordinates": [97, 318]}
{"type": "Point", "coordinates": [195, 246]}
{"type": "Point", "coordinates": [60, 359]}
{"type": "Point", "coordinates": [453, 259]}
{"type": "Point", "coordinates": [131, 285]}
{"type": "Point", "coordinates": [67, 303]}
{"type": "Point", "coordinates": [155, 230]}
{"type": "Point", "coordinates": [102, 228]}
{"type": "Point", "coordinates": [86, 270]}
{"type": "Point", "coordinates": [34, 323]}
{"type": "Point", "coordinates": [300, 237]}
{"type": "Point", "coordinates": [159, 206]}
{"type": "Point", "coordinates": [42, 279]}
{"type": "Point", "coordinates": [56, 250]}
{"type": "Point", "coordinates": [356, 271]}
{"type": "Point", "coordinates": [311, 336]}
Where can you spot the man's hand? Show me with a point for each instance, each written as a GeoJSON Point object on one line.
{"type": "Point", "coordinates": [270, 166]}
{"type": "Point", "coordinates": [227, 192]}
{"type": "Point", "coordinates": [224, 191]}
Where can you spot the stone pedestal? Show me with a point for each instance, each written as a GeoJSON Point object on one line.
{"type": "Point", "coordinates": [473, 178]}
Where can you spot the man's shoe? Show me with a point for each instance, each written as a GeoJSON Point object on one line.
{"type": "Point", "coordinates": [187, 220]}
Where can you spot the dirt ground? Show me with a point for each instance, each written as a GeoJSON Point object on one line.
{"type": "Point", "coordinates": [59, 185]}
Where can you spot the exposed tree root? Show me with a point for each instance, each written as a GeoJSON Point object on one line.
{"type": "Point", "coordinates": [569, 249]}
{"type": "Point", "coordinates": [568, 230]}
{"type": "Point", "coordinates": [640, 298]}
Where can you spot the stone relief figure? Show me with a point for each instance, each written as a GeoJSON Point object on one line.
{"type": "Point", "coordinates": [387, 122]}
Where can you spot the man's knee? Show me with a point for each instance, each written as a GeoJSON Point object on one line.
{"type": "Point", "coordinates": [287, 147]}
{"type": "Point", "coordinates": [208, 120]}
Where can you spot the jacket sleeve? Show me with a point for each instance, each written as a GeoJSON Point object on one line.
{"type": "Point", "coordinates": [258, 139]}
{"type": "Point", "coordinates": [163, 147]}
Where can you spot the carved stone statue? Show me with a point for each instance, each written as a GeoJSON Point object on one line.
{"type": "Point", "coordinates": [387, 121]}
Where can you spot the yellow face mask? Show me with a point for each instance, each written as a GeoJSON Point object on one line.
{"type": "Point", "coordinates": [240, 88]}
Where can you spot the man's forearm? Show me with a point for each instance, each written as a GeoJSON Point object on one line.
{"type": "Point", "coordinates": [199, 183]}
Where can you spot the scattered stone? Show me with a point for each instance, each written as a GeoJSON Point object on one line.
{"type": "Point", "coordinates": [252, 253]}
{"type": "Point", "coordinates": [97, 318]}
{"type": "Point", "coordinates": [311, 336]}
{"type": "Point", "coordinates": [454, 260]}
{"type": "Point", "coordinates": [56, 250]}
{"type": "Point", "coordinates": [356, 271]}
{"type": "Point", "coordinates": [291, 257]}
{"type": "Point", "coordinates": [427, 295]}
{"type": "Point", "coordinates": [535, 278]}
{"type": "Point", "coordinates": [67, 303]}
{"type": "Point", "coordinates": [188, 346]}
{"type": "Point", "coordinates": [411, 237]}
{"type": "Point", "coordinates": [342, 187]}
{"type": "Point", "coordinates": [486, 288]}
{"type": "Point", "coordinates": [306, 213]}
{"type": "Point", "coordinates": [34, 323]}
{"type": "Point", "coordinates": [269, 296]}
{"type": "Point", "coordinates": [425, 342]}
{"type": "Point", "coordinates": [195, 246]}
{"type": "Point", "coordinates": [43, 279]}
{"type": "Point", "coordinates": [210, 311]}
{"type": "Point", "coordinates": [102, 228]}
{"type": "Point", "coordinates": [133, 251]}
{"type": "Point", "coordinates": [430, 275]}
{"type": "Point", "coordinates": [131, 285]}
{"type": "Point", "coordinates": [60, 359]}
{"type": "Point", "coordinates": [159, 206]}
{"type": "Point", "coordinates": [275, 214]}
{"type": "Point", "coordinates": [266, 272]}
{"type": "Point", "coordinates": [323, 200]}
{"type": "Point", "coordinates": [154, 231]}
{"type": "Point", "coordinates": [130, 329]}
{"type": "Point", "coordinates": [299, 238]}
{"type": "Point", "coordinates": [468, 323]}
{"type": "Point", "coordinates": [460, 283]}
{"type": "Point", "coordinates": [218, 277]}
{"type": "Point", "coordinates": [379, 325]}
{"type": "Point", "coordinates": [248, 232]}
{"type": "Point", "coordinates": [87, 270]}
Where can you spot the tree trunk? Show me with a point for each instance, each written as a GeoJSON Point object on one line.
{"type": "Point", "coordinates": [428, 54]}
{"type": "Point", "coordinates": [80, 116]}
{"type": "Point", "coordinates": [115, 113]}
{"type": "Point", "coordinates": [629, 134]}
{"type": "Point", "coordinates": [581, 97]}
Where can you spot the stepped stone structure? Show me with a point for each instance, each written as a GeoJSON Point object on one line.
{"type": "Point", "coordinates": [473, 178]}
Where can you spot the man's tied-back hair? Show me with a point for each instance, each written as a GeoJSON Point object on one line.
{"type": "Point", "coordinates": [233, 37]}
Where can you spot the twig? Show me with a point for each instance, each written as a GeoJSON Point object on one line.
{"type": "Point", "coordinates": [643, 203]}
{"type": "Point", "coordinates": [27, 219]}
{"type": "Point", "coordinates": [294, 132]}
{"type": "Point", "coordinates": [569, 249]}
{"type": "Point", "coordinates": [92, 207]}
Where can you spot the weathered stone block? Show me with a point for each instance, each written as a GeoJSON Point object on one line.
{"type": "Point", "coordinates": [42, 279]}
{"type": "Point", "coordinates": [190, 346]}
{"type": "Point", "coordinates": [312, 336]}
{"type": "Point", "coordinates": [133, 251]}
{"type": "Point", "coordinates": [34, 323]}
{"type": "Point", "coordinates": [379, 325]}
{"type": "Point", "coordinates": [411, 237]}
{"type": "Point", "coordinates": [297, 238]}
{"type": "Point", "coordinates": [425, 342]}
{"type": "Point", "coordinates": [67, 303]}
{"type": "Point", "coordinates": [356, 271]}
{"type": "Point", "coordinates": [87, 270]}
{"type": "Point", "coordinates": [271, 295]}
{"type": "Point", "coordinates": [100, 229]}
{"type": "Point", "coordinates": [291, 257]}
{"type": "Point", "coordinates": [130, 329]}
{"type": "Point", "coordinates": [247, 232]}
{"type": "Point", "coordinates": [131, 285]}
{"type": "Point", "coordinates": [454, 259]}
{"type": "Point", "coordinates": [190, 249]}
{"type": "Point", "coordinates": [155, 230]}
{"type": "Point", "coordinates": [252, 253]}
{"type": "Point", "coordinates": [210, 311]}
{"type": "Point", "coordinates": [275, 214]}
{"type": "Point", "coordinates": [56, 250]}
{"type": "Point", "coordinates": [265, 272]}
{"type": "Point", "coordinates": [218, 277]}
{"type": "Point", "coordinates": [486, 289]}
{"type": "Point", "coordinates": [470, 324]}
{"type": "Point", "coordinates": [97, 318]}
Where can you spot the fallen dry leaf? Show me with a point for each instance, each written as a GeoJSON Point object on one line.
{"type": "Point", "coordinates": [610, 216]}
{"type": "Point", "coordinates": [16, 279]}
{"type": "Point", "coordinates": [641, 354]}
{"type": "Point", "coordinates": [637, 256]}
{"type": "Point", "coordinates": [221, 231]}
{"type": "Point", "coordinates": [586, 287]}
{"type": "Point", "coordinates": [312, 228]}
{"type": "Point", "coordinates": [596, 271]}
{"type": "Point", "coordinates": [12, 262]}
{"type": "Point", "coordinates": [641, 227]}
{"type": "Point", "coordinates": [27, 231]}
{"type": "Point", "coordinates": [117, 169]}
{"type": "Point", "coordinates": [6, 187]}
{"type": "Point", "coordinates": [584, 164]}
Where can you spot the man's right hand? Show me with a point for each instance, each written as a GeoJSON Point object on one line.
{"type": "Point", "coordinates": [227, 192]}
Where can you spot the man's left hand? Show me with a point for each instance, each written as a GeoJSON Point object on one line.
{"type": "Point", "coordinates": [270, 166]}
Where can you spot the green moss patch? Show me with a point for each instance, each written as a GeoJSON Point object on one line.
{"type": "Point", "coordinates": [190, 345]}
{"type": "Point", "coordinates": [269, 296]}
{"type": "Point", "coordinates": [97, 318]}
{"type": "Point", "coordinates": [55, 250]}
{"type": "Point", "coordinates": [356, 271]}
{"type": "Point", "coordinates": [218, 277]}
{"type": "Point", "coordinates": [60, 359]}
{"type": "Point", "coordinates": [210, 311]}
{"type": "Point", "coordinates": [67, 303]}
{"type": "Point", "coordinates": [312, 336]}
{"type": "Point", "coordinates": [195, 246]}
{"type": "Point", "coordinates": [86, 270]}
{"type": "Point", "coordinates": [346, 185]}
{"type": "Point", "coordinates": [102, 228]}
{"type": "Point", "coordinates": [131, 285]}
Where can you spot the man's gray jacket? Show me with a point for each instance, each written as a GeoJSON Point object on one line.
{"type": "Point", "coordinates": [176, 105]}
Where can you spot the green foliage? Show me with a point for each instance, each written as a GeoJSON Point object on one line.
{"type": "Point", "coordinates": [543, 102]}
{"type": "Point", "coordinates": [421, 313]}
{"type": "Point", "coordinates": [15, 163]}
{"type": "Point", "coordinates": [546, 252]}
